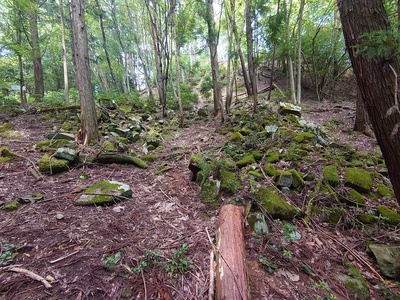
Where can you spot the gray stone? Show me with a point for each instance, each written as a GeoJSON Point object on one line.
{"type": "Point", "coordinates": [66, 153]}
{"type": "Point", "coordinates": [289, 109]}
{"type": "Point", "coordinates": [60, 136]}
{"type": "Point", "coordinates": [388, 259]}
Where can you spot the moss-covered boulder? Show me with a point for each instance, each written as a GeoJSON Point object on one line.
{"type": "Point", "coordinates": [108, 146]}
{"type": "Point", "coordinates": [236, 137]}
{"type": "Point", "coordinates": [272, 157]}
{"type": "Point", "coordinates": [246, 160]}
{"type": "Point", "coordinates": [289, 108]}
{"type": "Point", "coordinates": [358, 179]}
{"type": "Point", "coordinates": [297, 178]}
{"type": "Point", "coordinates": [283, 178]}
{"type": "Point", "coordinates": [384, 191]}
{"type": "Point", "coordinates": [331, 176]}
{"type": "Point", "coordinates": [6, 155]}
{"type": "Point", "coordinates": [47, 145]}
{"type": "Point", "coordinates": [52, 165]}
{"type": "Point", "coordinates": [275, 205]}
{"type": "Point", "coordinates": [104, 193]}
{"type": "Point", "coordinates": [388, 215]}
{"type": "Point", "coordinates": [230, 181]}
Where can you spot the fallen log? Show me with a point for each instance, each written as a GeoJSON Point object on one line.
{"type": "Point", "coordinates": [231, 279]}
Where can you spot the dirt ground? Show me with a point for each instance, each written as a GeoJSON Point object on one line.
{"type": "Point", "coordinates": [94, 252]}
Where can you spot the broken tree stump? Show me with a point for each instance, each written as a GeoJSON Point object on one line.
{"type": "Point", "coordinates": [231, 281]}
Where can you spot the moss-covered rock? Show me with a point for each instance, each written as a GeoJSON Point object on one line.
{"type": "Point", "coordinates": [230, 181]}
{"type": "Point", "coordinates": [108, 146]}
{"type": "Point", "coordinates": [236, 137]}
{"type": "Point", "coordinates": [306, 137]}
{"type": "Point", "coordinates": [297, 178]}
{"type": "Point", "coordinates": [272, 157]}
{"type": "Point", "coordinates": [256, 174]}
{"type": "Point", "coordinates": [367, 219]}
{"type": "Point", "coordinates": [257, 155]}
{"type": "Point", "coordinates": [387, 257]}
{"type": "Point", "coordinates": [13, 205]}
{"type": "Point", "coordinates": [355, 283]}
{"type": "Point", "coordinates": [331, 175]}
{"type": "Point", "coordinates": [388, 215]}
{"type": "Point", "coordinates": [246, 160]}
{"type": "Point", "coordinates": [52, 165]}
{"type": "Point", "coordinates": [6, 155]}
{"type": "Point", "coordinates": [149, 157]}
{"type": "Point", "coordinates": [53, 144]}
{"type": "Point", "coordinates": [358, 179]}
{"type": "Point", "coordinates": [258, 224]}
{"type": "Point", "coordinates": [283, 178]}
{"type": "Point", "coordinates": [275, 205]}
{"type": "Point", "coordinates": [355, 197]}
{"type": "Point", "coordinates": [270, 170]}
{"type": "Point", "coordinates": [104, 193]}
{"type": "Point", "coordinates": [384, 191]}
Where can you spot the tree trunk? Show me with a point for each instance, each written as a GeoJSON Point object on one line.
{"type": "Point", "coordinates": [212, 45]}
{"type": "Point", "coordinates": [64, 47]}
{"type": "Point", "coordinates": [231, 275]}
{"type": "Point", "coordinates": [36, 56]}
{"type": "Point", "coordinates": [300, 28]}
{"type": "Point", "coordinates": [361, 122]}
{"type": "Point", "coordinates": [89, 131]}
{"type": "Point", "coordinates": [250, 53]}
{"type": "Point", "coordinates": [376, 78]}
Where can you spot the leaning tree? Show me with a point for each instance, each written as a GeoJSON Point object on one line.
{"type": "Point", "coordinates": [376, 67]}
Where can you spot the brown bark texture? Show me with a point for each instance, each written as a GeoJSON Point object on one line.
{"type": "Point", "coordinates": [376, 78]}
{"type": "Point", "coordinates": [89, 130]}
{"type": "Point", "coordinates": [37, 59]}
{"type": "Point", "coordinates": [231, 280]}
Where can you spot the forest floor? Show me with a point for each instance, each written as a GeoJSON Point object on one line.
{"type": "Point", "coordinates": [139, 248]}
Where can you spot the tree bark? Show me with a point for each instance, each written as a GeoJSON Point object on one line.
{"type": "Point", "coordinates": [250, 53]}
{"type": "Point", "coordinates": [376, 78]}
{"type": "Point", "coordinates": [89, 131]}
{"type": "Point", "coordinates": [361, 122]}
{"type": "Point", "coordinates": [64, 47]}
{"type": "Point", "coordinates": [231, 270]}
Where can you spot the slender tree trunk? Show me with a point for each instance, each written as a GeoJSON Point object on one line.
{"type": "Point", "coordinates": [250, 53]}
{"type": "Point", "coordinates": [289, 54]}
{"type": "Point", "coordinates": [274, 52]}
{"type": "Point", "coordinates": [212, 45]}
{"type": "Point", "coordinates": [361, 122]}
{"type": "Point", "coordinates": [377, 78]}
{"type": "Point", "coordinates": [89, 130]}
{"type": "Point", "coordinates": [229, 91]}
{"type": "Point", "coordinates": [37, 59]}
{"type": "Point", "coordinates": [64, 47]}
{"type": "Point", "coordinates": [300, 28]}
{"type": "Point", "coordinates": [241, 58]}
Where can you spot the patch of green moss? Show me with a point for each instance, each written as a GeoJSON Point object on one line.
{"type": "Point", "coordinates": [6, 126]}
{"type": "Point", "coordinates": [309, 177]}
{"type": "Point", "coordinates": [149, 157]}
{"type": "Point", "coordinates": [272, 157]}
{"type": "Point", "coordinates": [13, 205]}
{"type": "Point", "coordinates": [108, 146]}
{"type": "Point", "coordinates": [384, 191]}
{"type": "Point", "coordinates": [389, 216]}
{"type": "Point", "coordinates": [139, 162]}
{"type": "Point", "coordinates": [256, 174]}
{"type": "Point", "coordinates": [236, 137]}
{"type": "Point", "coordinates": [9, 134]}
{"type": "Point", "coordinates": [47, 117]}
{"type": "Point", "coordinates": [331, 175]}
{"type": "Point", "coordinates": [355, 283]}
{"type": "Point", "coordinates": [358, 179]}
{"type": "Point", "coordinates": [230, 181]}
{"type": "Point", "coordinates": [52, 165]}
{"type": "Point", "coordinates": [305, 137]}
{"type": "Point", "coordinates": [275, 205]}
{"type": "Point", "coordinates": [356, 197]}
{"type": "Point", "coordinates": [283, 178]}
{"type": "Point", "coordinates": [6, 155]}
{"type": "Point", "coordinates": [209, 193]}
{"type": "Point", "coordinates": [246, 160]}
{"type": "Point", "coordinates": [257, 155]}
{"type": "Point", "coordinates": [270, 169]}
{"type": "Point", "coordinates": [367, 219]}
{"type": "Point", "coordinates": [334, 216]}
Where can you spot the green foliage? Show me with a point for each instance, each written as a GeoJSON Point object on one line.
{"type": "Point", "coordinates": [187, 97]}
{"type": "Point", "coordinates": [382, 43]}
{"type": "Point", "coordinates": [111, 261]}
{"type": "Point", "coordinates": [206, 86]}
{"type": "Point", "coordinates": [179, 263]}
{"type": "Point", "coordinates": [271, 267]}
{"type": "Point", "coordinates": [7, 253]}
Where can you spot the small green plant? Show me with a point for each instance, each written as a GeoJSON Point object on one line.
{"type": "Point", "coordinates": [287, 253]}
{"type": "Point", "coordinates": [267, 264]}
{"type": "Point", "coordinates": [7, 253]}
{"type": "Point", "coordinates": [291, 233]}
{"type": "Point", "coordinates": [179, 263]}
{"type": "Point", "coordinates": [138, 269]}
{"type": "Point", "coordinates": [323, 285]}
{"type": "Point", "coordinates": [111, 261]}
{"type": "Point", "coordinates": [154, 258]}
